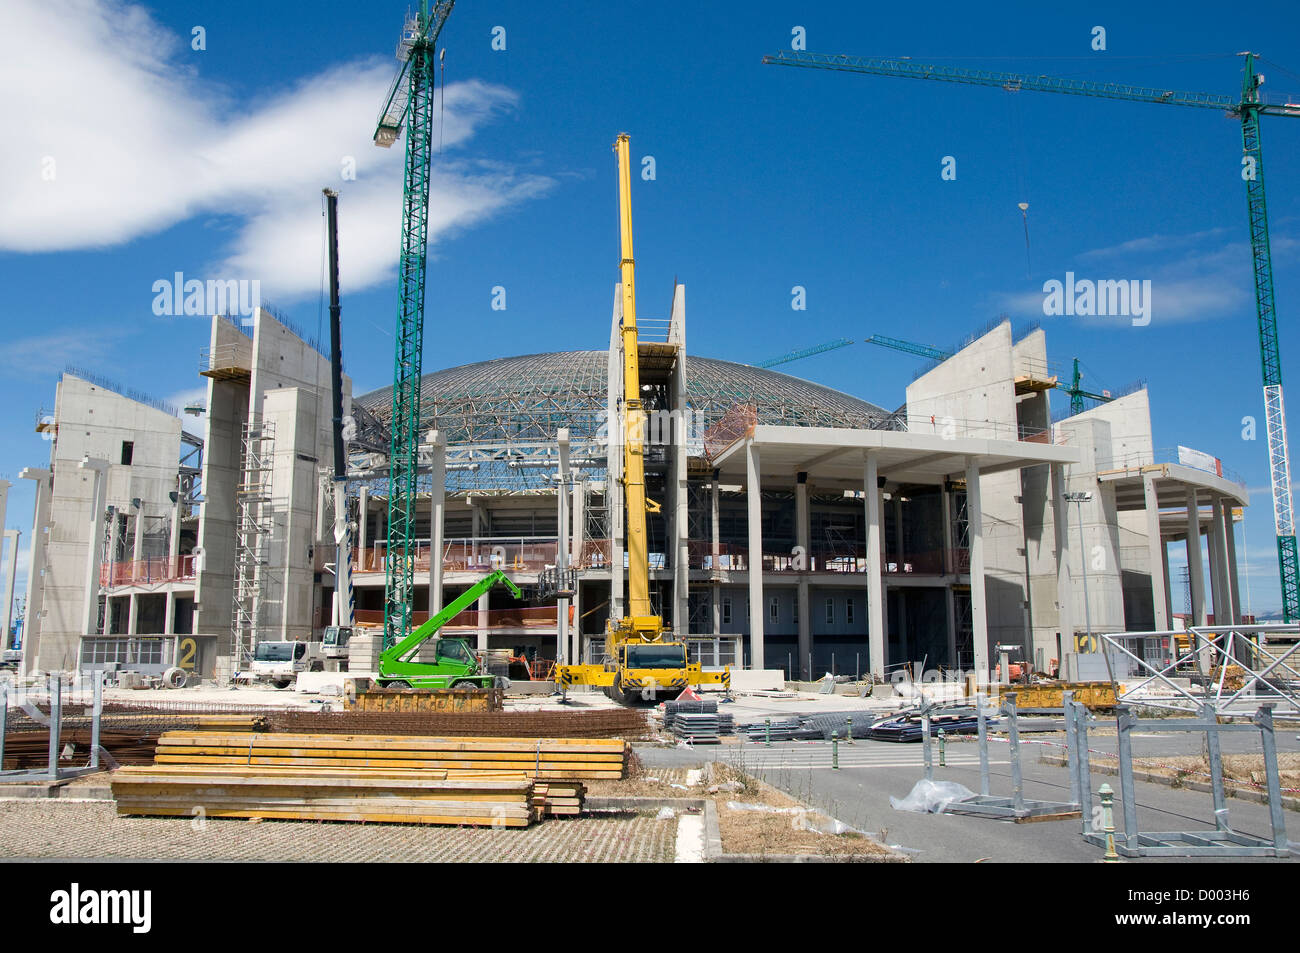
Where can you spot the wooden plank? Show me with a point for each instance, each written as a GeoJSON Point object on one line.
{"type": "Point", "coordinates": [406, 754]}
{"type": "Point", "coordinates": [408, 742]}
{"type": "Point", "coordinates": [577, 770]}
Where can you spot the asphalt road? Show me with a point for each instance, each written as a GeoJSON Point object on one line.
{"type": "Point", "coordinates": [871, 772]}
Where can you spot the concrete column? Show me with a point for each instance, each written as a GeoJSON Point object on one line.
{"type": "Point", "coordinates": [1164, 570]}
{"type": "Point", "coordinates": [1154, 546]}
{"type": "Point", "coordinates": [681, 526]}
{"type": "Point", "coordinates": [801, 533]}
{"type": "Point", "coordinates": [169, 618]}
{"type": "Point", "coordinates": [363, 518]}
{"type": "Point", "coordinates": [562, 544]}
{"type": "Point", "coordinates": [950, 604]}
{"type": "Point", "coordinates": [945, 502]}
{"type": "Point", "coordinates": [978, 600]}
{"type": "Point", "coordinates": [1230, 541]}
{"type": "Point", "coordinates": [4, 500]}
{"type": "Point", "coordinates": [715, 573]}
{"type": "Point", "coordinates": [95, 534]}
{"type": "Point", "coordinates": [321, 496]}
{"type": "Point", "coordinates": [482, 632]}
{"type": "Point", "coordinates": [437, 514]}
{"type": "Point", "coordinates": [11, 547]}
{"type": "Point", "coordinates": [875, 588]}
{"type": "Point", "coordinates": [1219, 565]}
{"type": "Point", "coordinates": [578, 524]}
{"type": "Point", "coordinates": [899, 554]}
{"type": "Point", "coordinates": [115, 531]}
{"type": "Point", "coordinates": [1064, 582]}
{"type": "Point", "coordinates": [754, 499]}
{"type": "Point", "coordinates": [137, 543]}
{"type": "Point", "coordinates": [35, 604]}
{"type": "Point", "coordinates": [132, 615]}
{"type": "Point", "coordinates": [1195, 571]}
{"type": "Point", "coordinates": [174, 536]}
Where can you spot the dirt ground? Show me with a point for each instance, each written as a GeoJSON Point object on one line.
{"type": "Point", "coordinates": [1240, 771]}
{"type": "Point", "coordinates": [791, 829]}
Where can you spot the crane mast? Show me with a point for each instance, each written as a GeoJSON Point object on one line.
{"type": "Point", "coordinates": [409, 102]}
{"type": "Point", "coordinates": [638, 556]}
{"type": "Point", "coordinates": [1248, 109]}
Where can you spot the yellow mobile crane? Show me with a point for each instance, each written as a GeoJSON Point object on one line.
{"type": "Point", "coordinates": [642, 657]}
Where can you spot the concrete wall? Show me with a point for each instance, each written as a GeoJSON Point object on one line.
{"type": "Point", "coordinates": [95, 422]}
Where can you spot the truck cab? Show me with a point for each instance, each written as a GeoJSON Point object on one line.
{"type": "Point", "coordinates": [280, 662]}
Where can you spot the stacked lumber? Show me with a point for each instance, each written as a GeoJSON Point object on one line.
{"type": "Point", "coordinates": [558, 798]}
{"type": "Point", "coordinates": [545, 759]}
{"type": "Point", "coordinates": [625, 723]}
{"type": "Point", "coordinates": [395, 797]}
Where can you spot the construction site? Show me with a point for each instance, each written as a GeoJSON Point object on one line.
{"type": "Point", "coordinates": [638, 604]}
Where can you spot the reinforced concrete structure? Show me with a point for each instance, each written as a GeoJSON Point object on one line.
{"type": "Point", "coordinates": [799, 528]}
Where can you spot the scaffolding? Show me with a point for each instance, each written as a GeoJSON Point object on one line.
{"type": "Point", "coordinates": [255, 512]}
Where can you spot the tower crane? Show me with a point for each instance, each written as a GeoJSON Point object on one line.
{"type": "Point", "coordinates": [410, 103]}
{"type": "Point", "coordinates": [1248, 109]}
{"type": "Point", "coordinates": [800, 354]}
{"type": "Point", "coordinates": [1077, 394]}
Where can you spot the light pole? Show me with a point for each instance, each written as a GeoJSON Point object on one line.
{"type": "Point", "coordinates": [1080, 499]}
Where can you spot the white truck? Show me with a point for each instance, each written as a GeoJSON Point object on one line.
{"type": "Point", "coordinates": [280, 662]}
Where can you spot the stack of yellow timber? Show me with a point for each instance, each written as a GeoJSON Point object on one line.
{"type": "Point", "coordinates": [558, 798]}
{"type": "Point", "coordinates": [348, 794]}
{"type": "Point", "coordinates": [546, 759]}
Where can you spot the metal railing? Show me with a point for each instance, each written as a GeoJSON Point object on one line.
{"type": "Point", "coordinates": [147, 572]}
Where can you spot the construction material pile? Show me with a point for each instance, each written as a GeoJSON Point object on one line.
{"type": "Point", "coordinates": [548, 759]}
{"type": "Point", "coordinates": [816, 727]}
{"type": "Point", "coordinates": [726, 722]}
{"type": "Point", "coordinates": [696, 727]}
{"type": "Point", "coordinates": [505, 782]}
{"type": "Point", "coordinates": [129, 736]}
{"type": "Point", "coordinates": [607, 723]}
{"type": "Point", "coordinates": [403, 797]}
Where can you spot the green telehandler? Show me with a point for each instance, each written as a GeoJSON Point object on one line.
{"type": "Point", "coordinates": [456, 665]}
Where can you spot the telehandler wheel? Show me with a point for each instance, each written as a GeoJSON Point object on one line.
{"type": "Point", "coordinates": [465, 683]}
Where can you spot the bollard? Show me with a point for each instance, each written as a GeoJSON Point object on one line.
{"type": "Point", "coordinates": [1108, 823]}
{"type": "Point", "coordinates": [767, 731]}
{"type": "Point", "coordinates": [942, 760]}
{"type": "Point", "coordinates": [835, 750]}
{"type": "Point", "coordinates": [849, 733]}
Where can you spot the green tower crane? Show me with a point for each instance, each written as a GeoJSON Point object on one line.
{"type": "Point", "coordinates": [1248, 109]}
{"type": "Point", "coordinates": [409, 102]}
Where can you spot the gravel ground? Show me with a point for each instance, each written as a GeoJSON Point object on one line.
{"type": "Point", "coordinates": [91, 829]}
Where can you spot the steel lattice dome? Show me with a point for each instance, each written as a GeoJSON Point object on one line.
{"type": "Point", "coordinates": [528, 398]}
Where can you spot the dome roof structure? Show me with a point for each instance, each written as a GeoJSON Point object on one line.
{"type": "Point", "coordinates": [528, 398]}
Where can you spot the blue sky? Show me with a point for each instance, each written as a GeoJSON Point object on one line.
{"type": "Point", "coordinates": [210, 162]}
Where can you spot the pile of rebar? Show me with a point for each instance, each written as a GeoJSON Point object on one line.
{"type": "Point", "coordinates": [128, 737]}
{"type": "Point", "coordinates": [624, 723]}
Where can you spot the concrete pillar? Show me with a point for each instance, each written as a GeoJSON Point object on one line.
{"type": "Point", "coordinates": [1195, 571]}
{"type": "Point", "coordinates": [35, 605]}
{"type": "Point", "coordinates": [875, 589]}
{"type": "Point", "coordinates": [1164, 571]}
{"type": "Point", "coordinates": [11, 577]}
{"type": "Point", "coordinates": [437, 513]}
{"type": "Point", "coordinates": [715, 573]}
{"type": "Point", "coordinates": [950, 604]}
{"type": "Point", "coordinates": [899, 554]}
{"type": "Point", "coordinates": [95, 537]}
{"type": "Point", "coordinates": [681, 525]}
{"type": "Point", "coordinates": [4, 500]}
{"type": "Point", "coordinates": [132, 615]}
{"type": "Point", "coordinates": [1230, 541]}
{"type": "Point", "coordinates": [562, 544]}
{"type": "Point", "coordinates": [174, 536]}
{"type": "Point", "coordinates": [482, 631]}
{"type": "Point", "coordinates": [1219, 565]}
{"type": "Point", "coordinates": [321, 496]}
{"type": "Point", "coordinates": [1154, 546]}
{"type": "Point", "coordinates": [978, 600]}
{"type": "Point", "coordinates": [1064, 582]}
{"type": "Point", "coordinates": [169, 617]}
{"type": "Point", "coordinates": [754, 499]}
{"type": "Point", "coordinates": [949, 561]}
{"type": "Point", "coordinates": [577, 523]}
{"type": "Point", "coordinates": [801, 532]}
{"type": "Point", "coordinates": [137, 543]}
{"type": "Point", "coordinates": [363, 518]}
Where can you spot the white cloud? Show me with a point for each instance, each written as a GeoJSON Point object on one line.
{"type": "Point", "coordinates": [43, 354]}
{"type": "Point", "coordinates": [1190, 280]}
{"type": "Point", "coordinates": [139, 142]}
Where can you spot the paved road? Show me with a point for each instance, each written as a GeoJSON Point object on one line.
{"type": "Point", "coordinates": [873, 771]}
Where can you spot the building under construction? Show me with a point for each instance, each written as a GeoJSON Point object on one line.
{"type": "Point", "coordinates": [798, 528]}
